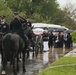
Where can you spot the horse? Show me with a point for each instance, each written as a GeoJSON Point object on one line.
{"type": "Point", "coordinates": [35, 41]}
{"type": "Point", "coordinates": [31, 36]}
{"type": "Point", "coordinates": [1, 36]}
{"type": "Point", "coordinates": [0, 42]}
{"type": "Point", "coordinates": [12, 45]}
{"type": "Point", "coordinates": [39, 44]}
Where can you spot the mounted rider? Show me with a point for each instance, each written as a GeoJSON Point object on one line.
{"type": "Point", "coordinates": [4, 27]}
{"type": "Point", "coordinates": [16, 27]}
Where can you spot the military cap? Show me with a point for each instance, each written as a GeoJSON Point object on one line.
{"type": "Point", "coordinates": [15, 13]}
{"type": "Point", "coordinates": [3, 17]}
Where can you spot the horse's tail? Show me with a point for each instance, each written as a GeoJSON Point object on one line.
{"type": "Point", "coordinates": [7, 47]}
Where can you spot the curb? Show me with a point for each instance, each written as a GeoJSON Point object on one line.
{"type": "Point", "coordinates": [71, 53]}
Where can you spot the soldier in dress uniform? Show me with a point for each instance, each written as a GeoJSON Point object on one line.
{"type": "Point", "coordinates": [16, 26]}
{"type": "Point", "coordinates": [4, 27]}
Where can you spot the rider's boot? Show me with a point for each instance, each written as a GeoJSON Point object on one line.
{"type": "Point", "coordinates": [28, 47]}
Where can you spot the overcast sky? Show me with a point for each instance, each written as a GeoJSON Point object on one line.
{"type": "Point", "coordinates": [65, 2]}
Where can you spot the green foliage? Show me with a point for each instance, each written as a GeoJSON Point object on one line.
{"type": "Point", "coordinates": [37, 9]}
{"type": "Point", "coordinates": [45, 11]}
{"type": "Point", "coordinates": [60, 67]}
{"type": "Point", "coordinates": [5, 10]}
{"type": "Point", "coordinates": [74, 36]}
{"type": "Point", "coordinates": [63, 18]}
{"type": "Point", "coordinates": [14, 4]}
{"type": "Point", "coordinates": [23, 14]}
{"type": "Point", "coordinates": [36, 17]}
{"type": "Point", "coordinates": [8, 13]}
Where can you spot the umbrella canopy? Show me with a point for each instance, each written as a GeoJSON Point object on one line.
{"type": "Point", "coordinates": [57, 30]}
{"type": "Point", "coordinates": [38, 31]}
{"type": "Point", "coordinates": [60, 30]}
{"type": "Point", "coordinates": [69, 31]}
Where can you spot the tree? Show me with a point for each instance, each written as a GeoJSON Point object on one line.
{"type": "Point", "coordinates": [47, 9]}
{"type": "Point", "coordinates": [70, 11]}
{"type": "Point", "coordinates": [42, 7]}
{"type": "Point", "coordinates": [5, 10]}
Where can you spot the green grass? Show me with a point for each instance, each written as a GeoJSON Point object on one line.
{"type": "Point", "coordinates": [65, 60]}
{"type": "Point", "coordinates": [63, 70]}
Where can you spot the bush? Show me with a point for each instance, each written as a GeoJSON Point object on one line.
{"type": "Point", "coordinates": [74, 36]}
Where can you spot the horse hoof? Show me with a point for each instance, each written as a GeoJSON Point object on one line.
{"type": "Point", "coordinates": [17, 69]}
{"type": "Point", "coordinates": [15, 73]}
{"type": "Point", "coordinates": [20, 60]}
{"type": "Point", "coordinates": [24, 70]}
{"type": "Point", "coordinates": [3, 72]}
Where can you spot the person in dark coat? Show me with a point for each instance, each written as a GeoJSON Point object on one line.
{"type": "Point", "coordinates": [69, 40]}
{"type": "Point", "coordinates": [60, 38]}
{"type": "Point", "coordinates": [16, 26]}
{"type": "Point", "coordinates": [56, 40]}
{"type": "Point", "coordinates": [4, 27]}
{"type": "Point", "coordinates": [51, 39]}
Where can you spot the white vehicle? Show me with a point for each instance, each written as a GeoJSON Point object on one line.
{"type": "Point", "coordinates": [51, 27]}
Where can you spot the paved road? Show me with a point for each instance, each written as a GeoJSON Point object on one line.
{"type": "Point", "coordinates": [34, 65]}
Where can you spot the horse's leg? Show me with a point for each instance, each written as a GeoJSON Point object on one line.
{"type": "Point", "coordinates": [1, 56]}
{"type": "Point", "coordinates": [27, 53]}
{"type": "Point", "coordinates": [37, 50]}
{"type": "Point", "coordinates": [24, 70]}
{"type": "Point", "coordinates": [4, 62]}
{"type": "Point", "coordinates": [41, 48]}
{"type": "Point", "coordinates": [14, 65]}
{"type": "Point", "coordinates": [17, 62]}
{"type": "Point", "coordinates": [20, 55]}
{"type": "Point", "coordinates": [33, 51]}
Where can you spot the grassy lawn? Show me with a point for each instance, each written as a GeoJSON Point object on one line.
{"type": "Point", "coordinates": [64, 67]}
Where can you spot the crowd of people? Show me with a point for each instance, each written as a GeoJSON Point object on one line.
{"type": "Point", "coordinates": [59, 39]}
{"type": "Point", "coordinates": [56, 40]}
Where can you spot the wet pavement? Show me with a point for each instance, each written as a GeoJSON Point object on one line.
{"type": "Point", "coordinates": [72, 53]}
{"type": "Point", "coordinates": [35, 65]}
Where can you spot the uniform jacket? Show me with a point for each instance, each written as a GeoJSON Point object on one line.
{"type": "Point", "coordinates": [15, 25]}
{"type": "Point", "coordinates": [4, 27]}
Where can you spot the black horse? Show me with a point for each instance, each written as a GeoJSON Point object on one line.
{"type": "Point", "coordinates": [12, 45]}
{"type": "Point", "coordinates": [34, 41]}
{"type": "Point", "coordinates": [31, 38]}
{"type": "Point", "coordinates": [1, 52]}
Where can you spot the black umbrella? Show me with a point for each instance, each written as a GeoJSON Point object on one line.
{"type": "Point", "coordinates": [57, 30]}
{"type": "Point", "coordinates": [50, 30]}
{"type": "Point", "coordinates": [69, 31]}
{"type": "Point", "coordinates": [60, 30]}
